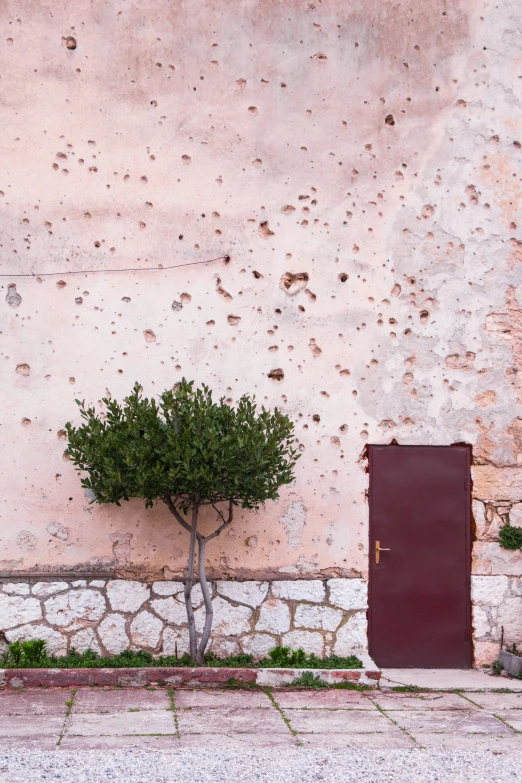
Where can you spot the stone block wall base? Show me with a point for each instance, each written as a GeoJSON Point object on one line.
{"type": "Point", "coordinates": [175, 677]}
{"type": "Point", "coordinates": [321, 616]}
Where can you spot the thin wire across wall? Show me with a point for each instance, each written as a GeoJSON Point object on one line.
{"type": "Point", "coordinates": [225, 258]}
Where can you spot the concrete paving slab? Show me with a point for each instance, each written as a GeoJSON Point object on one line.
{"type": "Point", "coordinates": [36, 726]}
{"type": "Point", "coordinates": [471, 742]}
{"type": "Point", "coordinates": [512, 717]}
{"type": "Point", "coordinates": [120, 723]}
{"type": "Point", "coordinates": [420, 701]}
{"type": "Point", "coordinates": [389, 741]}
{"type": "Point", "coordinates": [217, 698]}
{"type": "Point", "coordinates": [238, 740]}
{"type": "Point", "coordinates": [339, 721]}
{"type": "Point", "coordinates": [28, 743]}
{"type": "Point", "coordinates": [459, 721]}
{"type": "Point", "coordinates": [446, 679]}
{"type": "Point", "coordinates": [317, 700]}
{"type": "Point", "coordinates": [130, 742]}
{"type": "Point", "coordinates": [120, 700]}
{"type": "Point", "coordinates": [225, 721]}
{"type": "Point", "coordinates": [493, 702]}
{"type": "Point", "coordinates": [39, 702]}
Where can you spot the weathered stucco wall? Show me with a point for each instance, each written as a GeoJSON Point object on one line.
{"type": "Point", "coordinates": [358, 162]}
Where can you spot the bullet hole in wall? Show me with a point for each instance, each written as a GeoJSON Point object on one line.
{"type": "Point", "coordinates": [291, 283]}
{"type": "Point", "coordinates": [176, 306]}
{"type": "Point", "coordinates": [264, 230]}
{"type": "Point", "coordinates": [233, 320]}
{"type": "Point", "coordinates": [276, 375]}
{"type": "Point", "coordinates": [316, 351]}
{"type": "Point", "coordinates": [389, 120]}
{"type": "Point", "coordinates": [12, 297]}
{"type": "Point", "coordinates": [149, 336]}
{"type": "Point", "coordinates": [343, 277]}
{"type": "Point", "coordinates": [70, 42]}
{"type": "Point", "coordinates": [257, 275]}
{"type": "Point", "coordinates": [23, 369]}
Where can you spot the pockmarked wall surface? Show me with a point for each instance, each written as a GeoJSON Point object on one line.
{"type": "Point", "coordinates": [338, 188]}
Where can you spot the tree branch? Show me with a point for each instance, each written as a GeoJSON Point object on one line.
{"type": "Point", "coordinates": [226, 522]}
{"type": "Point", "coordinates": [188, 582]}
{"type": "Point", "coordinates": [209, 612]}
{"type": "Point", "coordinates": [172, 507]}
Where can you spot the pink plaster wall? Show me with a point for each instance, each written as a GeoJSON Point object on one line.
{"type": "Point", "coordinates": [179, 132]}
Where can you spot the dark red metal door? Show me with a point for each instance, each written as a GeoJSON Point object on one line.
{"type": "Point", "coordinates": [420, 613]}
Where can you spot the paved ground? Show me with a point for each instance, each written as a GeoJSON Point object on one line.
{"type": "Point", "coordinates": [142, 718]}
{"type": "Point", "coordinates": [313, 730]}
{"type": "Point", "coordinates": [447, 679]}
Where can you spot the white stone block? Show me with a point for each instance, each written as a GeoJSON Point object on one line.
{"type": "Point", "coordinates": [146, 630]}
{"type": "Point", "coordinates": [352, 638]}
{"type": "Point", "coordinates": [172, 610]}
{"type": "Point", "coordinates": [300, 590]}
{"type": "Point", "coordinates": [310, 642]}
{"type": "Point", "coordinates": [176, 638]}
{"type": "Point", "coordinates": [223, 647]}
{"type": "Point", "coordinates": [56, 644]}
{"type": "Point", "coordinates": [97, 583]}
{"type": "Point", "coordinates": [85, 640]}
{"type": "Point", "coordinates": [45, 589]}
{"type": "Point", "coordinates": [249, 593]}
{"type": "Point", "coordinates": [126, 595]}
{"type": "Point", "coordinates": [510, 616]}
{"type": "Point", "coordinates": [196, 595]}
{"type": "Point", "coordinates": [167, 588]}
{"type": "Point", "coordinates": [113, 634]}
{"type": "Point", "coordinates": [307, 616]}
{"type": "Point", "coordinates": [228, 620]}
{"type": "Point", "coordinates": [349, 594]}
{"type": "Point", "coordinates": [171, 590]}
{"type": "Point", "coordinates": [16, 588]}
{"type": "Point", "coordinates": [15, 610]}
{"type": "Point", "coordinates": [79, 583]}
{"type": "Point", "coordinates": [274, 617]}
{"type": "Point", "coordinates": [515, 515]}
{"type": "Point", "coordinates": [481, 624]}
{"type": "Point", "coordinates": [479, 517]}
{"type": "Point", "coordinates": [489, 590]}
{"type": "Point", "coordinates": [258, 644]}
{"type": "Point", "coordinates": [74, 609]}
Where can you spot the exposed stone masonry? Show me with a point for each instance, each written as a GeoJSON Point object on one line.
{"type": "Point", "coordinates": [323, 617]}
{"type": "Point", "coordinates": [496, 584]}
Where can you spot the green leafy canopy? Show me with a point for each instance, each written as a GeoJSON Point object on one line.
{"type": "Point", "coordinates": [184, 445]}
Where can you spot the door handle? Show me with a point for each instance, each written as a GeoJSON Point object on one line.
{"type": "Point", "coordinates": [378, 550]}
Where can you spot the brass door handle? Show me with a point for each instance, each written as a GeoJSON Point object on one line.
{"type": "Point", "coordinates": [378, 549]}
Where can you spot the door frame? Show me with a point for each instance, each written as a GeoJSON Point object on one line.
{"type": "Point", "coordinates": [468, 629]}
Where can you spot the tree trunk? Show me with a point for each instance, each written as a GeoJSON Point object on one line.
{"type": "Point", "coordinates": [188, 583]}
{"type": "Point", "coordinates": [209, 612]}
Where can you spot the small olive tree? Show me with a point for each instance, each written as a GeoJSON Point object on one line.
{"type": "Point", "coordinates": [188, 452]}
